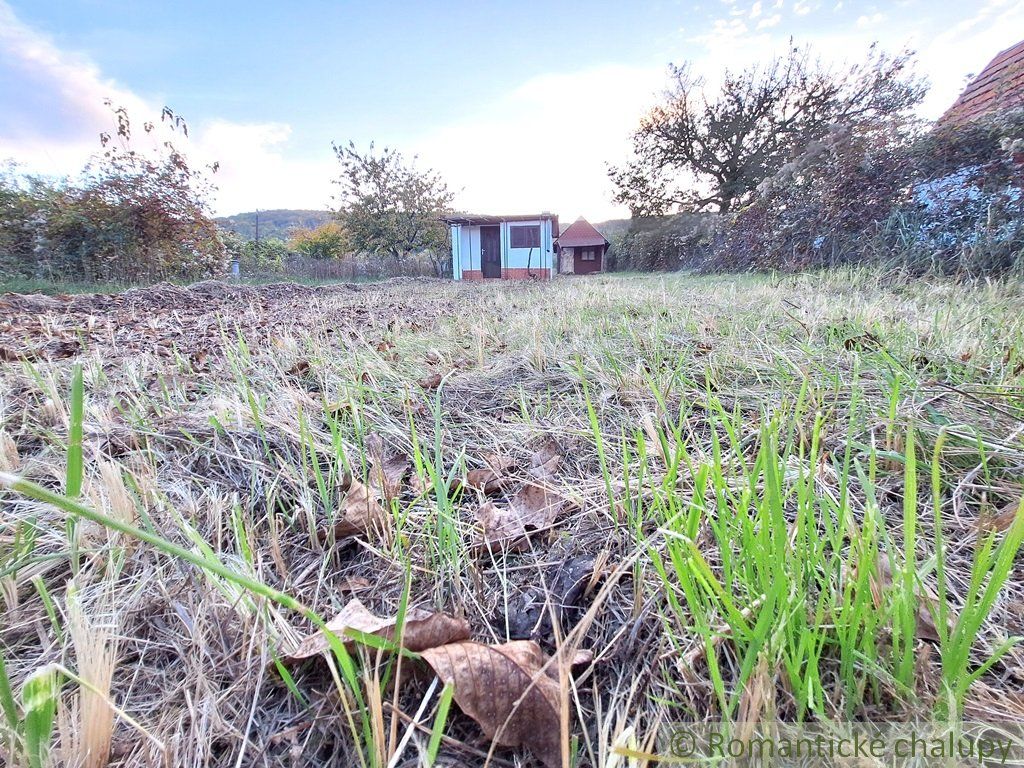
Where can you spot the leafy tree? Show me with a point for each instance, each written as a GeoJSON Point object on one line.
{"type": "Point", "coordinates": [699, 149]}
{"type": "Point", "coordinates": [133, 215]}
{"type": "Point", "coordinates": [390, 208]}
{"type": "Point", "coordinates": [23, 206]}
{"type": "Point", "coordinates": [253, 256]}
{"type": "Point", "coordinates": [161, 202]}
{"type": "Point", "coordinates": [327, 241]}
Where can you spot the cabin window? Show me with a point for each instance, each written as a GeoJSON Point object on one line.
{"type": "Point", "coordinates": [587, 254]}
{"type": "Point", "coordinates": [525, 237]}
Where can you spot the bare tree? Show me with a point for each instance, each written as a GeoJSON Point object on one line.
{"type": "Point", "coordinates": [697, 150]}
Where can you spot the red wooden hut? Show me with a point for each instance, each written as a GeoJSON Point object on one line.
{"type": "Point", "coordinates": [581, 249]}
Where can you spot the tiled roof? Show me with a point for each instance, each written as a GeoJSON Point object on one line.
{"type": "Point", "coordinates": [999, 86]}
{"type": "Point", "coordinates": [581, 233]}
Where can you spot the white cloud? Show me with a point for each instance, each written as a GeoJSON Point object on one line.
{"type": "Point", "coordinates": [945, 58]}
{"type": "Point", "coordinates": [544, 145]}
{"type": "Point", "coordinates": [254, 170]}
{"type": "Point", "coordinates": [529, 150]}
{"type": "Point", "coordinates": [723, 33]}
{"type": "Point", "coordinates": [864, 22]}
{"type": "Point", "coordinates": [55, 108]}
{"type": "Point", "coordinates": [966, 48]}
{"type": "Point", "coordinates": [51, 125]}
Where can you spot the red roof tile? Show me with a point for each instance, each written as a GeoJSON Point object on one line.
{"type": "Point", "coordinates": [581, 233]}
{"type": "Point", "coordinates": [999, 86]}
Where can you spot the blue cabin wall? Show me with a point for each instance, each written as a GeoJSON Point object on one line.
{"type": "Point", "coordinates": [515, 262]}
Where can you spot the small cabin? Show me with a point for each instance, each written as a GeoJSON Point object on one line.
{"type": "Point", "coordinates": [503, 247]}
{"type": "Point", "coordinates": [581, 249]}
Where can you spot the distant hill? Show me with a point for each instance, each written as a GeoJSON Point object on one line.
{"type": "Point", "coordinates": [278, 223]}
{"type": "Point", "coordinates": [613, 228]}
{"type": "Point", "coordinates": [610, 229]}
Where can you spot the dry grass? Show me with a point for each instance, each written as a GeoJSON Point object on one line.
{"type": "Point", "coordinates": [86, 741]}
{"type": "Point", "coordinates": [223, 418]}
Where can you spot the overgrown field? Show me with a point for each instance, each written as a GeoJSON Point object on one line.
{"type": "Point", "coordinates": [713, 498]}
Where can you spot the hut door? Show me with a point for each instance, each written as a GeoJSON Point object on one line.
{"type": "Point", "coordinates": [490, 251]}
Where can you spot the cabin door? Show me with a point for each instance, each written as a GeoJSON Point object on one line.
{"type": "Point", "coordinates": [490, 251]}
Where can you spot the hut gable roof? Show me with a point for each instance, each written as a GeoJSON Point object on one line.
{"type": "Point", "coordinates": [579, 234]}
{"type": "Point", "coordinates": [999, 86]}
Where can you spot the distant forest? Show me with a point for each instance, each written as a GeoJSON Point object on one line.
{"type": "Point", "coordinates": [277, 224]}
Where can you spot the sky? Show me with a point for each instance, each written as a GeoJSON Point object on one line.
{"type": "Point", "coordinates": [519, 105]}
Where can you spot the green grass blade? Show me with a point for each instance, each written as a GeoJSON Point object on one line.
{"type": "Point", "coordinates": [437, 731]}
{"type": "Point", "coordinates": [73, 482]}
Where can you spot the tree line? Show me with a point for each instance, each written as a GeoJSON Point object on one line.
{"type": "Point", "coordinates": [140, 212]}
{"type": "Point", "coordinates": [135, 213]}
{"type": "Point", "coordinates": [797, 164]}
{"type": "Point", "coordinates": [791, 164]}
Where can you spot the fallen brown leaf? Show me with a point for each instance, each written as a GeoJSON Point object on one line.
{"type": "Point", "coordinates": [926, 629]}
{"type": "Point", "coordinates": [511, 691]}
{"type": "Point", "coordinates": [546, 459]}
{"type": "Point", "coordinates": [60, 350]}
{"type": "Point", "coordinates": [360, 513]}
{"type": "Point", "coordinates": [387, 470]}
{"type": "Point", "coordinates": [334, 409]}
{"type": "Point", "coordinates": [490, 479]}
{"type": "Point", "coordinates": [354, 584]}
{"type": "Point", "coordinates": [862, 341]}
{"type": "Point", "coordinates": [534, 507]}
{"type": "Point", "coordinates": [499, 462]}
{"type": "Point", "coordinates": [1001, 522]}
{"type": "Point", "coordinates": [418, 485]}
{"type": "Point", "coordinates": [537, 505]}
{"type": "Point", "coordinates": [433, 381]}
{"type": "Point", "coordinates": [417, 406]}
{"type": "Point", "coordinates": [10, 356]}
{"type": "Point", "coordinates": [484, 480]}
{"type": "Point", "coordinates": [501, 529]}
{"type": "Point", "coordinates": [300, 369]}
{"type": "Point", "coordinates": [421, 630]}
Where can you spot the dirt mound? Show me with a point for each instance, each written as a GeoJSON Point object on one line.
{"type": "Point", "coordinates": [288, 291]}
{"type": "Point", "coordinates": [215, 289]}
{"type": "Point", "coordinates": [167, 319]}
{"type": "Point", "coordinates": [34, 302]}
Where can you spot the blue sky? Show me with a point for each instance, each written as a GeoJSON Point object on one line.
{"type": "Point", "coordinates": [490, 95]}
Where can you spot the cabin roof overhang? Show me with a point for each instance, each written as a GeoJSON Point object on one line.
{"type": "Point", "coordinates": [473, 219]}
